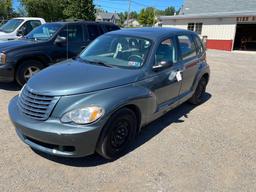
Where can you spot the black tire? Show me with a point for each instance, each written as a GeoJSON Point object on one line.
{"type": "Point", "coordinates": [23, 68]}
{"type": "Point", "coordinates": [197, 97]}
{"type": "Point", "coordinates": [117, 134]}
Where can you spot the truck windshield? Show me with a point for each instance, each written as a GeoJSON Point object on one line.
{"type": "Point", "coordinates": [11, 25]}
{"type": "Point", "coordinates": [44, 32]}
{"type": "Point", "coordinates": [117, 50]}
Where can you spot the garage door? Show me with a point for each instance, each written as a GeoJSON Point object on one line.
{"type": "Point", "coordinates": [245, 37]}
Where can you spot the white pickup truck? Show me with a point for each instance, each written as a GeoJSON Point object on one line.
{"type": "Point", "coordinates": [18, 27]}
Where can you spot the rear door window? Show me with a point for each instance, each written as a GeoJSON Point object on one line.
{"type": "Point", "coordinates": [111, 27]}
{"type": "Point", "coordinates": [187, 47]}
{"type": "Point", "coordinates": [73, 33]}
{"type": "Point", "coordinates": [200, 47]}
{"type": "Point", "coordinates": [93, 31]}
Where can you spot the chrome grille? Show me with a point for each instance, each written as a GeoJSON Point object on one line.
{"type": "Point", "coordinates": [36, 106]}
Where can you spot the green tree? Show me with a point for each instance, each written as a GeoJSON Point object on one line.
{"type": "Point", "coordinates": [167, 11]}
{"type": "Point", "coordinates": [80, 9]}
{"type": "Point", "coordinates": [142, 17]}
{"type": "Point", "coordinates": [123, 17]}
{"type": "Point", "coordinates": [50, 10]}
{"type": "Point", "coordinates": [147, 16]}
{"type": "Point", "coordinates": [133, 15]}
{"type": "Point", "coordinates": [6, 10]}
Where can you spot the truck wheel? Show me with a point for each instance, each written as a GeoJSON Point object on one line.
{"type": "Point", "coordinates": [117, 134]}
{"type": "Point", "coordinates": [27, 69]}
{"type": "Point", "coordinates": [197, 98]}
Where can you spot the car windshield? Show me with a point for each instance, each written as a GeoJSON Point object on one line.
{"type": "Point", "coordinates": [11, 25]}
{"type": "Point", "coordinates": [44, 32]}
{"type": "Point", "coordinates": [117, 50]}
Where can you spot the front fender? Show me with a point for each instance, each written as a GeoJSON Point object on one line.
{"type": "Point", "coordinates": [31, 55]}
{"type": "Point", "coordinates": [111, 100]}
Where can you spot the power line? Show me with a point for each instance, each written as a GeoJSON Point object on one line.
{"type": "Point", "coordinates": [129, 2]}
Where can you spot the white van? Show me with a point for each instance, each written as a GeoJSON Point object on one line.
{"type": "Point", "coordinates": [18, 27]}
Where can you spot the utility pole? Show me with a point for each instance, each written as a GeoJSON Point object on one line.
{"type": "Point", "coordinates": [129, 11]}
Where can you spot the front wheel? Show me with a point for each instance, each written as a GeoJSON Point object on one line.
{"type": "Point", "coordinates": [117, 134]}
{"type": "Point", "coordinates": [27, 69]}
{"type": "Point", "coordinates": [197, 98]}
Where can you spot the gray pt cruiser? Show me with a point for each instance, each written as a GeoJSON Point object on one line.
{"type": "Point", "coordinates": [100, 100]}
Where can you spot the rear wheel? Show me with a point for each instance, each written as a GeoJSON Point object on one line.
{"type": "Point", "coordinates": [197, 98]}
{"type": "Point", "coordinates": [117, 134]}
{"type": "Point", "coordinates": [27, 69]}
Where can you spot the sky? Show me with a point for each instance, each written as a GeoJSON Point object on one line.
{"type": "Point", "coordinates": [136, 5]}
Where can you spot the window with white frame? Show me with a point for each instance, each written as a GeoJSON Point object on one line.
{"type": "Point", "coordinates": [197, 27]}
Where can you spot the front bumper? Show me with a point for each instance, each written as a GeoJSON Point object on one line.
{"type": "Point", "coordinates": [6, 73]}
{"type": "Point", "coordinates": [52, 136]}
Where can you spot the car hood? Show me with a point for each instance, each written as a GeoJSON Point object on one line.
{"type": "Point", "coordinates": [75, 77]}
{"type": "Point", "coordinates": [7, 45]}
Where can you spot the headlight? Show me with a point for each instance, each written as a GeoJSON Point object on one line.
{"type": "Point", "coordinates": [3, 58]}
{"type": "Point", "coordinates": [83, 115]}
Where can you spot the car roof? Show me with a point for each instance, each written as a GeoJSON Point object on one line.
{"type": "Point", "coordinates": [152, 33]}
{"type": "Point", "coordinates": [28, 18]}
{"type": "Point", "coordinates": [83, 22]}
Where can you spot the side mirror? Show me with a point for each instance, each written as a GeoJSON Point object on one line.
{"type": "Point", "coordinates": [162, 65]}
{"type": "Point", "coordinates": [60, 40]}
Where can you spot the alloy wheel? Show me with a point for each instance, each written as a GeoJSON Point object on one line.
{"type": "Point", "coordinates": [30, 71]}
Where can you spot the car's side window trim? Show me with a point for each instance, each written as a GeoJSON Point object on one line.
{"type": "Point", "coordinates": [198, 47]}
{"type": "Point", "coordinates": [86, 33]}
{"type": "Point", "coordinates": [83, 31]}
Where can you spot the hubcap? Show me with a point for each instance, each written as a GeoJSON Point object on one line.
{"type": "Point", "coordinates": [30, 71]}
{"type": "Point", "coordinates": [120, 134]}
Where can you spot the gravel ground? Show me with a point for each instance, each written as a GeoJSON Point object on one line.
{"type": "Point", "coordinates": [207, 148]}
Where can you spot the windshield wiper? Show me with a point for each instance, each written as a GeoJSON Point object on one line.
{"type": "Point", "coordinates": [97, 62]}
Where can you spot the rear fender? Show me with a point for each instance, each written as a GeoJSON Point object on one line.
{"type": "Point", "coordinates": [203, 69]}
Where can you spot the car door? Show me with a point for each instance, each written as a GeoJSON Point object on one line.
{"type": "Point", "coordinates": [91, 32]}
{"type": "Point", "coordinates": [165, 85]}
{"type": "Point", "coordinates": [94, 31]}
{"type": "Point", "coordinates": [189, 61]}
{"type": "Point", "coordinates": [73, 33]}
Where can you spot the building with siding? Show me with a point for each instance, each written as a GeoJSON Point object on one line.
{"type": "Point", "coordinates": [107, 17]}
{"type": "Point", "coordinates": [227, 25]}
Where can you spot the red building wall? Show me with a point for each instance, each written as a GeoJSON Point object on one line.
{"type": "Point", "coordinates": [219, 44]}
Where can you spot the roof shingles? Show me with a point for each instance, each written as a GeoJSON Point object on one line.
{"type": "Point", "coordinates": [218, 6]}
